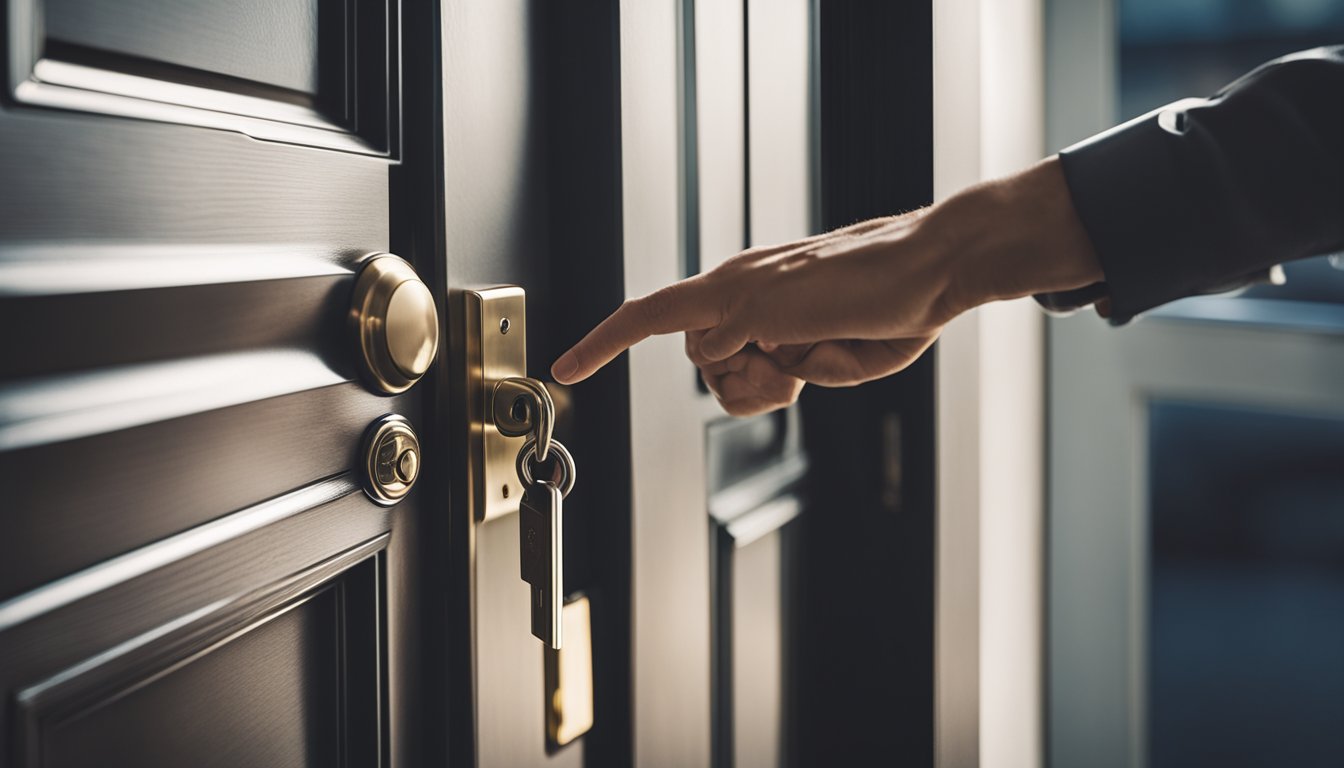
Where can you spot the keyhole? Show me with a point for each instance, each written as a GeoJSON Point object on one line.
{"type": "Point", "coordinates": [520, 411]}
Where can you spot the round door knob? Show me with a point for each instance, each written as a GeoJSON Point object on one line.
{"type": "Point", "coordinates": [391, 459]}
{"type": "Point", "coordinates": [398, 326]}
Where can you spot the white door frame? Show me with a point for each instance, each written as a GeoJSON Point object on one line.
{"type": "Point", "coordinates": [989, 121]}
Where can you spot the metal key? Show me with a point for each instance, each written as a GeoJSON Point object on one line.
{"type": "Point", "coordinates": [540, 528]}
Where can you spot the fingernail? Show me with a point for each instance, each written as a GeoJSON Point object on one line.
{"type": "Point", "coordinates": [565, 367]}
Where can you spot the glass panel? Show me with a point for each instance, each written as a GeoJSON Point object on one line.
{"type": "Point", "coordinates": [1246, 611]}
{"type": "Point", "coordinates": [1171, 49]}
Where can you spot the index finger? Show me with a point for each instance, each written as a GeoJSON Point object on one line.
{"type": "Point", "coordinates": [684, 306]}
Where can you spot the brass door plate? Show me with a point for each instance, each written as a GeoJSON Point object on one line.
{"type": "Point", "coordinates": [496, 331]}
{"type": "Point", "coordinates": [569, 678]}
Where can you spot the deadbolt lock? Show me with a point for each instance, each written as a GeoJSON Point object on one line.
{"type": "Point", "coordinates": [392, 459]}
{"type": "Point", "coordinates": [393, 315]}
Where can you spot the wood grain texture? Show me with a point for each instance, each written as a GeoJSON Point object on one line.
{"type": "Point", "coordinates": [205, 712]}
{"type": "Point", "coordinates": [186, 692]}
{"type": "Point", "coordinates": [208, 589]}
{"type": "Point", "coordinates": [115, 180]}
{"type": "Point", "coordinates": [135, 486]}
{"type": "Point", "coordinates": [92, 330]}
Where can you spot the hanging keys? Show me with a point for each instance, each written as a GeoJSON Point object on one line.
{"type": "Point", "coordinates": [540, 531]}
{"type": "Point", "coordinates": [540, 539]}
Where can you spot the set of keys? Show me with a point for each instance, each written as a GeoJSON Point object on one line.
{"type": "Point", "coordinates": [523, 407]}
{"type": "Point", "coordinates": [540, 536]}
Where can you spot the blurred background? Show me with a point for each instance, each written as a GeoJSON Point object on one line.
{"type": "Point", "coordinates": [1196, 562]}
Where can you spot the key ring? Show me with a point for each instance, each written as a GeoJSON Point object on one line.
{"type": "Point", "coordinates": [563, 460]}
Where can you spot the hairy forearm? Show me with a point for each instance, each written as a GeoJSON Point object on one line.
{"type": "Point", "coordinates": [1011, 237]}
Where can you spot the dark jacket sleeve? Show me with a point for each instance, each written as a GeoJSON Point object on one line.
{"type": "Point", "coordinates": [1206, 194]}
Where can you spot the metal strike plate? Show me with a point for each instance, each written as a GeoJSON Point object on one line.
{"type": "Point", "coordinates": [569, 678]}
{"type": "Point", "coordinates": [496, 331]}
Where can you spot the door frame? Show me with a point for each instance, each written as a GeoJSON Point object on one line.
{"type": "Point", "coordinates": [990, 398]}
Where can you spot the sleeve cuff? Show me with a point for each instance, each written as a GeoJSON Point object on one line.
{"type": "Point", "coordinates": [1132, 197]}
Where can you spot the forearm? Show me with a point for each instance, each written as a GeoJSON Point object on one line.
{"type": "Point", "coordinates": [1010, 238]}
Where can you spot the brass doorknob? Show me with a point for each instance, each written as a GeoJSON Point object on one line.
{"type": "Point", "coordinates": [394, 317]}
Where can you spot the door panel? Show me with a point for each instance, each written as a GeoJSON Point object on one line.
{"type": "Point", "coordinates": [142, 484]}
{"type": "Point", "coordinates": [266, 309]}
{"type": "Point", "coordinates": [301, 71]}
{"type": "Point", "coordinates": [759, 629]}
{"type": "Point", "coordinates": [716, 102]}
{"type": "Point", "coordinates": [316, 658]}
{"type": "Point", "coordinates": [272, 43]}
{"type": "Point", "coordinates": [192, 574]}
{"type": "Point", "coordinates": [782, 102]}
{"type": "Point", "coordinates": [670, 605]}
{"type": "Point", "coordinates": [138, 189]}
{"type": "Point", "coordinates": [100, 627]}
{"type": "Point", "coordinates": [716, 37]}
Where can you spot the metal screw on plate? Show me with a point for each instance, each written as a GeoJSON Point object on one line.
{"type": "Point", "coordinates": [506, 490]}
{"type": "Point", "coordinates": [504, 325]}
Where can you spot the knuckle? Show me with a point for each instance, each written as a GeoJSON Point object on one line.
{"type": "Point", "coordinates": [632, 307]}
{"type": "Point", "coordinates": [657, 306]}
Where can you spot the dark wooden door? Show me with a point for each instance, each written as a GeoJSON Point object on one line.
{"type": "Point", "coordinates": [190, 573]}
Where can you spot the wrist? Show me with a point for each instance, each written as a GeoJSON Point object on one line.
{"type": "Point", "coordinates": [1010, 238]}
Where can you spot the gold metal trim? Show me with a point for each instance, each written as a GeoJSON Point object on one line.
{"type": "Point", "coordinates": [394, 317]}
{"type": "Point", "coordinates": [569, 678]}
{"type": "Point", "coordinates": [496, 341]}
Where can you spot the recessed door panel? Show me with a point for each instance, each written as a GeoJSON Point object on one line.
{"type": "Point", "coordinates": [272, 42]}
{"type": "Point", "coordinates": [296, 686]}
{"type": "Point", "coordinates": [316, 72]}
{"type": "Point", "coordinates": [781, 132]}
{"type": "Point", "coordinates": [759, 632]}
